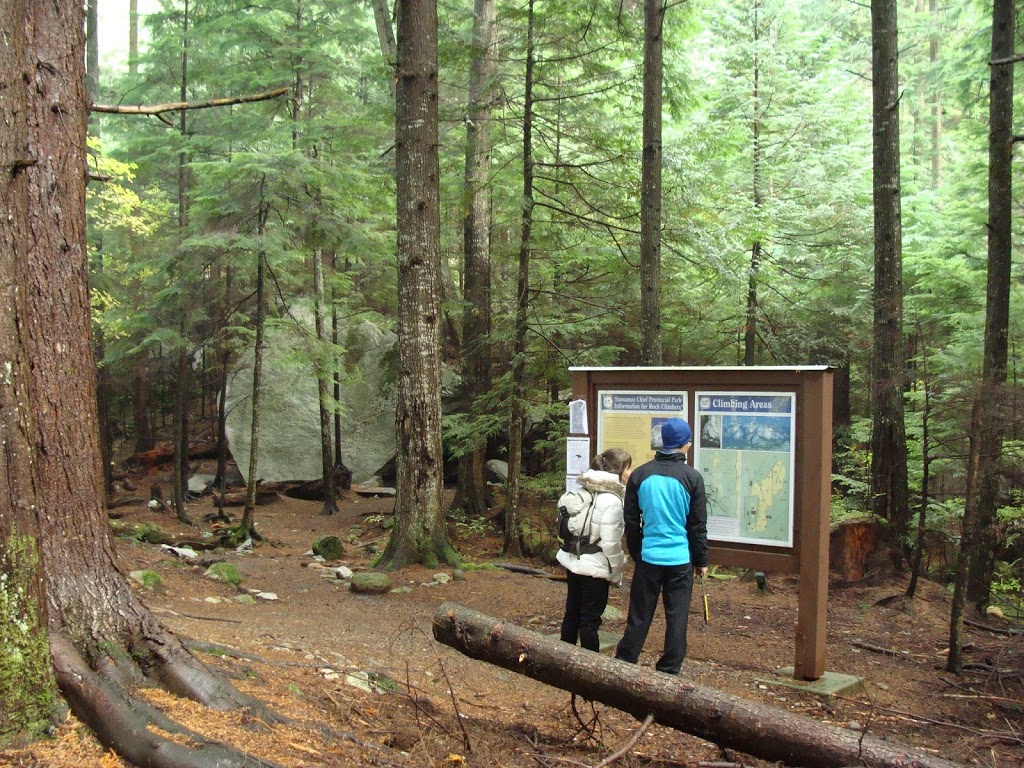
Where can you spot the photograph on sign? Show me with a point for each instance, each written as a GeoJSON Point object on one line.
{"type": "Point", "coordinates": [633, 419]}
{"type": "Point", "coordinates": [744, 446]}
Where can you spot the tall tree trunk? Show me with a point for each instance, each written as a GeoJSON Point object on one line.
{"type": "Point", "coordinates": [27, 688]}
{"type": "Point", "coordinates": [182, 397]}
{"type": "Point", "coordinates": [133, 37]}
{"type": "Point", "coordinates": [92, 50]}
{"type": "Point", "coordinates": [182, 393]}
{"type": "Point", "coordinates": [335, 339]}
{"type": "Point", "coordinates": [143, 433]}
{"type": "Point", "coordinates": [103, 395]}
{"type": "Point", "coordinates": [323, 371]}
{"type": "Point", "coordinates": [750, 330]}
{"type": "Point", "coordinates": [223, 362]}
{"type": "Point", "coordinates": [890, 495]}
{"type": "Point", "coordinates": [650, 187]}
{"type": "Point", "coordinates": [420, 534]}
{"type": "Point", "coordinates": [476, 240]}
{"type": "Point", "coordinates": [247, 528]}
{"type": "Point", "coordinates": [89, 602]}
{"type": "Point", "coordinates": [386, 36]}
{"type": "Point", "coordinates": [517, 420]}
{"type": "Point", "coordinates": [936, 127]}
{"type": "Point", "coordinates": [980, 511]}
{"type": "Point", "coordinates": [922, 513]}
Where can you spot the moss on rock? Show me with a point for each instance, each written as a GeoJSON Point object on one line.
{"type": "Point", "coordinates": [328, 547]}
{"type": "Point", "coordinates": [226, 572]}
{"type": "Point", "coordinates": [27, 687]}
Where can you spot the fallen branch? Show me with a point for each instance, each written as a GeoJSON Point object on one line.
{"type": "Point", "coordinates": [629, 744]}
{"type": "Point", "coordinates": [168, 612]}
{"type": "Point", "coordinates": [996, 630]}
{"type": "Point", "coordinates": [174, 106]}
{"type": "Point", "coordinates": [747, 726]}
{"type": "Point", "coordinates": [879, 649]}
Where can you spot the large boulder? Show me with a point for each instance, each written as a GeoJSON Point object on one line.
{"type": "Point", "coordinates": [290, 410]}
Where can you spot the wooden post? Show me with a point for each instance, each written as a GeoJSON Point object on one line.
{"type": "Point", "coordinates": [815, 456]}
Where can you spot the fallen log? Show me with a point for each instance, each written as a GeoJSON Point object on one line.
{"type": "Point", "coordinates": [164, 454]}
{"type": "Point", "coordinates": [264, 495]}
{"type": "Point", "coordinates": [729, 721]}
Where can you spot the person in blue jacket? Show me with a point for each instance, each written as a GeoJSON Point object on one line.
{"type": "Point", "coordinates": [665, 513]}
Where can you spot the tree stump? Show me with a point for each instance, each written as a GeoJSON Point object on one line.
{"type": "Point", "coordinates": [851, 544]}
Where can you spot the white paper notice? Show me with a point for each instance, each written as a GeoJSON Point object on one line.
{"type": "Point", "coordinates": [577, 455]}
{"type": "Point", "coordinates": [578, 417]}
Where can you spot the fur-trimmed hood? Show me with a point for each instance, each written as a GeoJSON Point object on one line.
{"type": "Point", "coordinates": [597, 481]}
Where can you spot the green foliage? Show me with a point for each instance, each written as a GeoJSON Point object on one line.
{"type": "Point", "coordinates": [312, 173]}
{"type": "Point", "coordinates": [470, 526]}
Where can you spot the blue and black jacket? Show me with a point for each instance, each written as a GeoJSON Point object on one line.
{"type": "Point", "coordinates": [665, 512]}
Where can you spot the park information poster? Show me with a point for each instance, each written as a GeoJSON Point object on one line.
{"type": "Point", "coordinates": [632, 420]}
{"type": "Point", "coordinates": [744, 449]}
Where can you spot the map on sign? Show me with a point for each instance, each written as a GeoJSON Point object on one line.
{"type": "Point", "coordinates": [744, 449]}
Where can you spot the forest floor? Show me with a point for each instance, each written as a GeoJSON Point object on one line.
{"type": "Point", "coordinates": [311, 652]}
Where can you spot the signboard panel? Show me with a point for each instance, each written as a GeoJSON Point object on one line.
{"type": "Point", "coordinates": [745, 449]}
{"type": "Point", "coordinates": [792, 406]}
{"type": "Point", "coordinates": [632, 419]}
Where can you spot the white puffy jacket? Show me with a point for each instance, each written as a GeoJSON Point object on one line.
{"type": "Point", "coordinates": [606, 528]}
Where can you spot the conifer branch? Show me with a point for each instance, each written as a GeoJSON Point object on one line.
{"type": "Point", "coordinates": [158, 109]}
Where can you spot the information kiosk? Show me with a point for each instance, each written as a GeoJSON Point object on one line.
{"type": "Point", "coordinates": [762, 439]}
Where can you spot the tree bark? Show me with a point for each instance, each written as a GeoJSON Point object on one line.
{"type": "Point", "coordinates": [750, 331]}
{"type": "Point", "coordinates": [144, 440]}
{"type": "Point", "coordinates": [385, 35]}
{"type": "Point", "coordinates": [476, 241]}
{"type": "Point", "coordinates": [92, 48]}
{"type": "Point", "coordinates": [182, 395]}
{"type": "Point", "coordinates": [223, 354]}
{"type": "Point", "coordinates": [650, 186]}
{"type": "Point", "coordinates": [517, 417]}
{"type": "Point", "coordinates": [936, 126]}
{"type": "Point", "coordinates": [330, 491]}
{"type": "Point", "coordinates": [27, 688]}
{"type": "Point", "coordinates": [728, 721]}
{"type": "Point", "coordinates": [133, 37]}
{"type": "Point", "coordinates": [184, 368]}
{"type": "Point", "coordinates": [997, 306]}
{"type": "Point", "coordinates": [420, 534]}
{"type": "Point", "coordinates": [979, 539]}
{"type": "Point", "coordinates": [88, 599]}
{"type": "Point", "coordinates": [926, 464]}
{"type": "Point", "coordinates": [889, 489]}
{"type": "Point", "coordinates": [248, 525]}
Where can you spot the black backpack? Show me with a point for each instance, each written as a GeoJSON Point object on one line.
{"type": "Point", "coordinates": [576, 507]}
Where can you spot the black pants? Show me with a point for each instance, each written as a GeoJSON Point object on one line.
{"type": "Point", "coordinates": [585, 601]}
{"type": "Point", "coordinates": [675, 585]}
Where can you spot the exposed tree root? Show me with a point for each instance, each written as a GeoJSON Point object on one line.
{"type": "Point", "coordinates": [184, 675]}
{"type": "Point", "coordinates": [122, 722]}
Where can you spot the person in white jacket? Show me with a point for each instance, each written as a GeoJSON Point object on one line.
{"type": "Point", "coordinates": [600, 562]}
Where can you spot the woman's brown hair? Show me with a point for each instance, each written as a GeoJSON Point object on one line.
{"type": "Point", "coordinates": [614, 460]}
